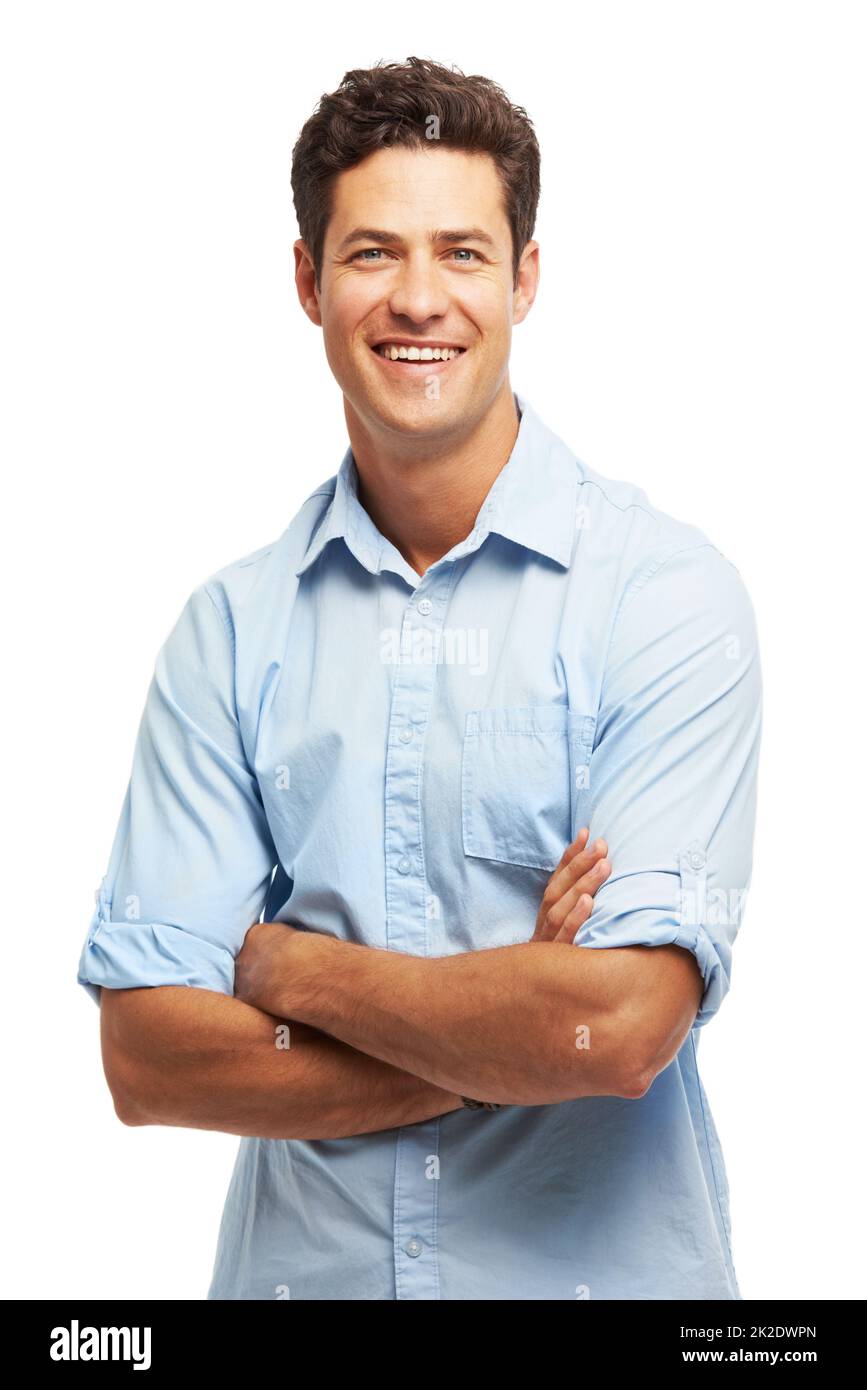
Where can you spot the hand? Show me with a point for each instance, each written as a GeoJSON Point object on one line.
{"type": "Point", "coordinates": [568, 899]}
{"type": "Point", "coordinates": [261, 965]}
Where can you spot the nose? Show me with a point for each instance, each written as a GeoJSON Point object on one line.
{"type": "Point", "coordinates": [419, 293]}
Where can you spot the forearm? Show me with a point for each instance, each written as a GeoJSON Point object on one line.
{"type": "Point", "coordinates": [203, 1060]}
{"type": "Point", "coordinates": [527, 1024]}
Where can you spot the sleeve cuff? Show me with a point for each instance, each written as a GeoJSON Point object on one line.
{"type": "Point", "coordinates": [716, 982]}
{"type": "Point", "coordinates": [129, 955]}
{"type": "Point", "coordinates": [650, 907]}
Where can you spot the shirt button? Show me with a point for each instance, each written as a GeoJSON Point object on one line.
{"type": "Point", "coordinates": [404, 865]}
{"type": "Point", "coordinates": [696, 859]}
{"type": "Point", "coordinates": [425, 606]}
{"type": "Point", "coordinates": [413, 1247]}
{"type": "Point", "coordinates": [405, 735]}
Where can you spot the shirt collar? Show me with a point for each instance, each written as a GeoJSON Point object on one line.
{"type": "Point", "coordinates": [532, 501]}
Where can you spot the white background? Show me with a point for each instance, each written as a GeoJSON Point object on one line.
{"type": "Point", "coordinates": [700, 331]}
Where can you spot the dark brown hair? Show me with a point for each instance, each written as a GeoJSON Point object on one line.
{"type": "Point", "coordinates": [391, 104]}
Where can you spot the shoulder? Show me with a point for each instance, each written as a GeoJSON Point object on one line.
{"type": "Point", "coordinates": [266, 576]}
{"type": "Point", "coordinates": [648, 549]}
{"type": "Point", "coordinates": [624, 516]}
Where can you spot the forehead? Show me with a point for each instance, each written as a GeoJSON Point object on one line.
{"type": "Point", "coordinates": [414, 191]}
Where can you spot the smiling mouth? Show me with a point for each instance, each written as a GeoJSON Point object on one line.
{"type": "Point", "coordinates": [414, 358]}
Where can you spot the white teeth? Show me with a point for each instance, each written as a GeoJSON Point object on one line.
{"type": "Point", "coordinates": [415, 354]}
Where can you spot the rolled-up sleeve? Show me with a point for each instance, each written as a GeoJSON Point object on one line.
{"type": "Point", "coordinates": [672, 778]}
{"type": "Point", "coordinates": [192, 855]}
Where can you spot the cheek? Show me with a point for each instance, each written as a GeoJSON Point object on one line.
{"type": "Point", "coordinates": [489, 307]}
{"type": "Point", "coordinates": [346, 309]}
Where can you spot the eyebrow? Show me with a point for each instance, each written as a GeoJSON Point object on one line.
{"type": "Point", "coordinates": [384, 238]}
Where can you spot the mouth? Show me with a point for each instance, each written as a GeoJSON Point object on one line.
{"type": "Point", "coordinates": [417, 359]}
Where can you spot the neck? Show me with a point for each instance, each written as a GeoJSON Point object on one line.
{"type": "Point", "coordinates": [424, 496]}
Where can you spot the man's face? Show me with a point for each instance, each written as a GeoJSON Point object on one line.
{"type": "Point", "coordinates": [415, 281]}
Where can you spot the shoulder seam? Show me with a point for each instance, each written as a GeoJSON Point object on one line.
{"type": "Point", "coordinates": [630, 506]}
{"type": "Point", "coordinates": [657, 562]}
{"type": "Point", "coordinates": [661, 559]}
{"type": "Point", "coordinates": [222, 616]}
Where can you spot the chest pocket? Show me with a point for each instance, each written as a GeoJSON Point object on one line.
{"type": "Point", "coordinates": [524, 782]}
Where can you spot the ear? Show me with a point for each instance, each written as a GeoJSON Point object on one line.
{"type": "Point", "coordinates": [527, 282]}
{"type": "Point", "coordinates": [305, 282]}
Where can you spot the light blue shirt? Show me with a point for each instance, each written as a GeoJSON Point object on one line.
{"type": "Point", "coordinates": [400, 761]}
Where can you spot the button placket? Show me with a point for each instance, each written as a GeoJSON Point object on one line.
{"type": "Point", "coordinates": [415, 1196]}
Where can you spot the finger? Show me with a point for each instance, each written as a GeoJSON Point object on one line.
{"type": "Point", "coordinates": [568, 878]}
{"type": "Point", "coordinates": [555, 914]}
{"type": "Point", "coordinates": [571, 850]}
{"type": "Point", "coordinates": [589, 882]}
{"type": "Point", "coordinates": [574, 867]}
{"type": "Point", "coordinates": [569, 853]}
{"type": "Point", "coordinates": [575, 919]}
{"type": "Point", "coordinates": [574, 862]}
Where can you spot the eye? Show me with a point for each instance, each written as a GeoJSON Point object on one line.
{"type": "Point", "coordinates": [377, 252]}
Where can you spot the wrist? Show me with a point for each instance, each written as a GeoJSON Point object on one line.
{"type": "Point", "coordinates": [301, 975]}
{"type": "Point", "coordinates": [343, 988]}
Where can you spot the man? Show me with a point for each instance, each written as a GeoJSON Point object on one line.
{"type": "Point", "coordinates": [397, 735]}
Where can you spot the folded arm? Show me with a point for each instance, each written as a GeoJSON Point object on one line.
{"type": "Point", "coordinates": [203, 1060]}
{"type": "Point", "coordinates": [271, 1078]}
{"type": "Point", "coordinates": [524, 1024]}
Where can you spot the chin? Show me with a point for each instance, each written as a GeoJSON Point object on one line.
{"type": "Point", "coordinates": [420, 416]}
{"type": "Point", "coordinates": [408, 408]}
